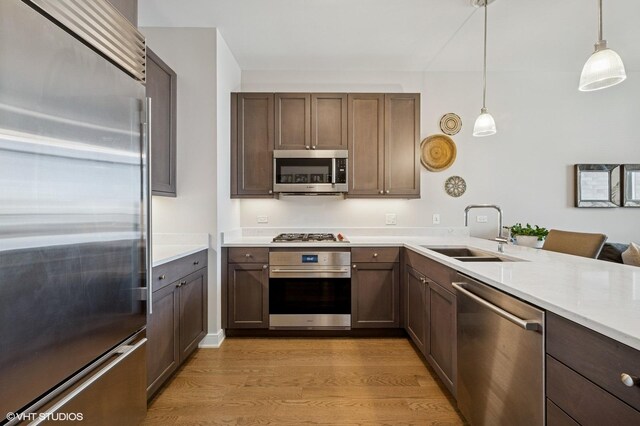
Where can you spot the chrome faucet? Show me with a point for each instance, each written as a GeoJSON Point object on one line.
{"type": "Point", "coordinates": [499, 239]}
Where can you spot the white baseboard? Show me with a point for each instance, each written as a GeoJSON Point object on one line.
{"type": "Point", "coordinates": [212, 340]}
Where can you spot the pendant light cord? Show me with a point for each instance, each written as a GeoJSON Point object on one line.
{"type": "Point", "coordinates": [599, 20]}
{"type": "Point", "coordinates": [484, 74]}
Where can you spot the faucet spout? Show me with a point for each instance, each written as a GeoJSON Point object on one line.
{"type": "Point", "coordinates": [484, 206]}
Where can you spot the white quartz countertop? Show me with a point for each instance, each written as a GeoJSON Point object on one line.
{"type": "Point", "coordinates": [166, 253]}
{"type": "Point", "coordinates": [602, 296]}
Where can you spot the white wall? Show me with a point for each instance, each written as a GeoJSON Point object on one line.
{"type": "Point", "coordinates": [228, 76]}
{"type": "Point", "coordinates": [191, 53]}
{"type": "Point", "coordinates": [545, 126]}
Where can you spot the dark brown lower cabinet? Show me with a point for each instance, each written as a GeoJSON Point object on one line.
{"type": "Point", "coordinates": [416, 307]}
{"type": "Point", "coordinates": [375, 301]}
{"type": "Point", "coordinates": [248, 295]}
{"type": "Point", "coordinates": [177, 323]}
{"type": "Point", "coordinates": [441, 333]}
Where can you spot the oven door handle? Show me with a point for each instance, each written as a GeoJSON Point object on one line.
{"type": "Point", "coordinates": [309, 271]}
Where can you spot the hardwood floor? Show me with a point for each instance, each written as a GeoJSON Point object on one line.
{"type": "Point", "coordinates": [328, 381]}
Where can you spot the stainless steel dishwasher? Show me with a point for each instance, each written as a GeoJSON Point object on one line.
{"type": "Point", "coordinates": [500, 357]}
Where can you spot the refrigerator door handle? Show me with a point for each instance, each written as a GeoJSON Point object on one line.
{"type": "Point", "coordinates": [146, 147]}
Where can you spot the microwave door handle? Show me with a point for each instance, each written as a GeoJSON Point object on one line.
{"type": "Point", "coordinates": [333, 171]}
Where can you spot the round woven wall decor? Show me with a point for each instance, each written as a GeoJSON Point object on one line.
{"type": "Point", "coordinates": [450, 123]}
{"type": "Point", "coordinates": [455, 186]}
{"type": "Point", "coordinates": [437, 152]}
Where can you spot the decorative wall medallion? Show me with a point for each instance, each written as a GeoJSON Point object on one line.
{"type": "Point", "coordinates": [437, 152]}
{"type": "Point", "coordinates": [450, 123]}
{"type": "Point", "coordinates": [455, 186]}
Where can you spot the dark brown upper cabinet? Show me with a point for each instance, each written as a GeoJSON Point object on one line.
{"type": "Point", "coordinates": [162, 89]}
{"type": "Point", "coordinates": [293, 120]}
{"type": "Point", "coordinates": [328, 121]}
{"type": "Point", "coordinates": [383, 135]}
{"type": "Point", "coordinates": [129, 8]}
{"type": "Point", "coordinates": [401, 152]}
{"type": "Point", "coordinates": [366, 144]}
{"type": "Point", "coordinates": [252, 143]}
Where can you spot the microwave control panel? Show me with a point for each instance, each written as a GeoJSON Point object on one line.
{"type": "Point", "coordinates": [341, 170]}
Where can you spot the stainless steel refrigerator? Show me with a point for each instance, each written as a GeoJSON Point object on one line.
{"type": "Point", "coordinates": [74, 255]}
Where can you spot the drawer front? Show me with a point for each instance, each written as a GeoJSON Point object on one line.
{"type": "Point", "coordinates": [441, 274]}
{"type": "Point", "coordinates": [375, 254]}
{"type": "Point", "coordinates": [167, 273]}
{"type": "Point", "coordinates": [585, 402]}
{"type": "Point", "coordinates": [598, 358]}
{"type": "Point", "coordinates": [248, 255]}
{"type": "Point", "coordinates": [557, 417]}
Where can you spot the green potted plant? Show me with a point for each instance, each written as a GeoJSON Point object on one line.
{"type": "Point", "coordinates": [528, 236]}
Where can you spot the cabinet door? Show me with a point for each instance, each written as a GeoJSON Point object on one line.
{"type": "Point", "coordinates": [252, 145]}
{"type": "Point", "coordinates": [402, 137]}
{"type": "Point", "coordinates": [293, 121]}
{"type": "Point", "coordinates": [441, 330]}
{"type": "Point", "coordinates": [366, 145]}
{"type": "Point", "coordinates": [415, 308]}
{"type": "Point", "coordinates": [193, 312]}
{"type": "Point", "coordinates": [329, 121]}
{"type": "Point", "coordinates": [163, 355]}
{"type": "Point", "coordinates": [374, 295]}
{"type": "Point", "coordinates": [162, 89]}
{"type": "Point", "coordinates": [248, 296]}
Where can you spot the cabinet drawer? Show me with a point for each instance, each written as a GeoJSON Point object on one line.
{"type": "Point", "coordinates": [172, 271]}
{"type": "Point", "coordinates": [585, 402]}
{"type": "Point", "coordinates": [248, 255]}
{"type": "Point", "coordinates": [557, 417]}
{"type": "Point", "coordinates": [598, 358]}
{"type": "Point", "coordinates": [375, 254]}
{"type": "Point", "coordinates": [441, 274]}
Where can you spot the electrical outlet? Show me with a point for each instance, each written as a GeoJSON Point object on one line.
{"type": "Point", "coordinates": [436, 219]}
{"type": "Point", "coordinates": [391, 219]}
{"type": "Point", "coordinates": [481, 219]}
{"type": "Point", "coordinates": [262, 219]}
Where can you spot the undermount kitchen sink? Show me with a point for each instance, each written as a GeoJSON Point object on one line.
{"type": "Point", "coordinates": [470, 254]}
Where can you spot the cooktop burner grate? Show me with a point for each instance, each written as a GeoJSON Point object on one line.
{"type": "Point", "coordinates": [300, 237]}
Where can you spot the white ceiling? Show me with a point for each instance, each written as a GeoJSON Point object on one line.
{"type": "Point", "coordinates": [406, 35]}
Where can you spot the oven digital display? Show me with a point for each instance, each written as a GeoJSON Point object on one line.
{"type": "Point", "coordinates": [309, 258]}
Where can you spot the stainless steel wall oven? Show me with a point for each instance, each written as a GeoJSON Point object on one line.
{"type": "Point", "coordinates": [310, 290]}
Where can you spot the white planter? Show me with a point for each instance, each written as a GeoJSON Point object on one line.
{"type": "Point", "coordinates": [529, 241]}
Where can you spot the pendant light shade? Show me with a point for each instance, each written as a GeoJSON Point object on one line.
{"type": "Point", "coordinates": [485, 124]}
{"type": "Point", "coordinates": [604, 68]}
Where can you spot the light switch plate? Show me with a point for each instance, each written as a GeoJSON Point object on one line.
{"type": "Point", "coordinates": [391, 219]}
{"type": "Point", "coordinates": [436, 219]}
{"type": "Point", "coordinates": [262, 219]}
{"type": "Point", "coordinates": [481, 219]}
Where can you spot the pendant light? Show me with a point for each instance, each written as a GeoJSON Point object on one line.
{"type": "Point", "coordinates": [485, 124]}
{"type": "Point", "coordinates": [604, 68]}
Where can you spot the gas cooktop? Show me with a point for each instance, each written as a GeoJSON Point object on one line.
{"type": "Point", "coordinates": [307, 238]}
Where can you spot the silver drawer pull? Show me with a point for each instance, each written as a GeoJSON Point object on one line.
{"type": "Point", "coordinates": [162, 277]}
{"type": "Point", "coordinates": [375, 254]}
{"type": "Point", "coordinates": [525, 324]}
{"type": "Point", "coordinates": [247, 255]}
{"type": "Point", "coordinates": [197, 262]}
{"type": "Point", "coordinates": [629, 380]}
{"type": "Point", "coordinates": [308, 271]}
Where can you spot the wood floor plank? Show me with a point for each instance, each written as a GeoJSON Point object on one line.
{"type": "Point", "coordinates": [305, 382]}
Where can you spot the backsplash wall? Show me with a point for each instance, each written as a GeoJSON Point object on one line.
{"type": "Point", "coordinates": [545, 125]}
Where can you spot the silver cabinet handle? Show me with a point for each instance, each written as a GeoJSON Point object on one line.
{"type": "Point", "coordinates": [629, 380]}
{"type": "Point", "coordinates": [247, 255]}
{"type": "Point", "coordinates": [197, 262]}
{"type": "Point", "coordinates": [270, 191]}
{"type": "Point", "coordinates": [387, 191]}
{"type": "Point", "coordinates": [162, 277]}
{"type": "Point", "coordinates": [355, 266]}
{"type": "Point", "coordinates": [380, 192]}
{"type": "Point", "coordinates": [524, 324]}
{"type": "Point", "coordinates": [306, 147]}
{"type": "Point", "coordinates": [265, 266]}
{"type": "Point", "coordinates": [375, 254]}
{"type": "Point", "coordinates": [313, 147]}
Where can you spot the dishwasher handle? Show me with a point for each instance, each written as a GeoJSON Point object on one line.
{"type": "Point", "coordinates": [530, 325]}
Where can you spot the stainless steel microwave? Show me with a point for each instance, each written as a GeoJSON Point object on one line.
{"type": "Point", "coordinates": [317, 171]}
